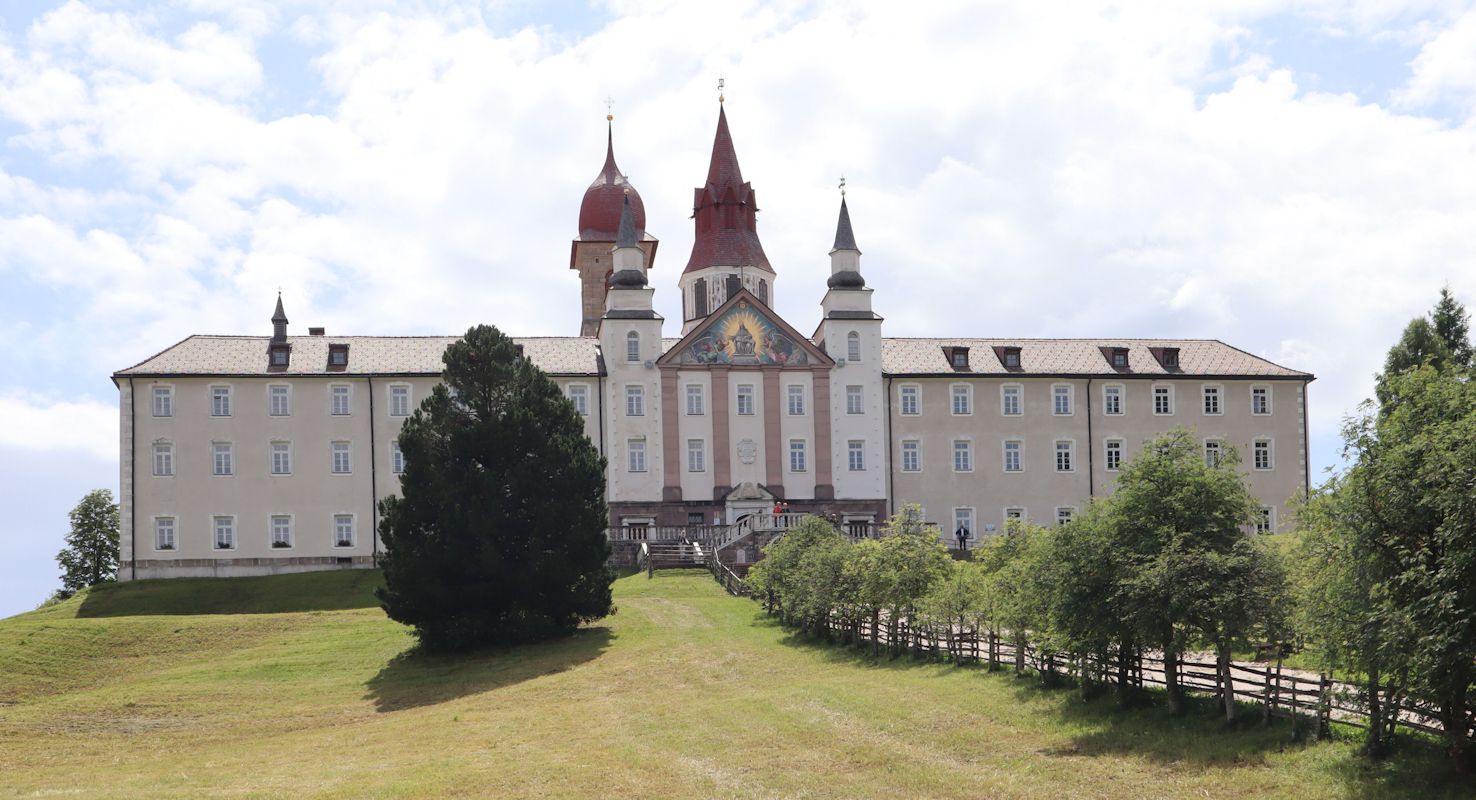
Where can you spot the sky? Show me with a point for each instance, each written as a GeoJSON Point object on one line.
{"type": "Point", "coordinates": [1294, 178]}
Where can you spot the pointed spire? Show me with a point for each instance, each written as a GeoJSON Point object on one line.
{"type": "Point", "coordinates": [845, 257]}
{"type": "Point", "coordinates": [723, 172]}
{"type": "Point", "coordinates": [724, 212]}
{"type": "Point", "coordinates": [279, 321]}
{"type": "Point", "coordinates": [630, 272]}
{"type": "Point", "coordinates": [627, 235]}
{"type": "Point", "coordinates": [845, 239]}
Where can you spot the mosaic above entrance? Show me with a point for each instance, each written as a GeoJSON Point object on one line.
{"type": "Point", "coordinates": [743, 336]}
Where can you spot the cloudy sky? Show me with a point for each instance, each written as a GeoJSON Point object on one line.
{"type": "Point", "coordinates": [1295, 178]}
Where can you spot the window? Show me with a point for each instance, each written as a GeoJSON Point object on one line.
{"type": "Point", "coordinates": [579, 396]}
{"type": "Point", "coordinates": [959, 358]}
{"type": "Point", "coordinates": [279, 401]}
{"type": "Point", "coordinates": [745, 399]}
{"type": "Point", "coordinates": [853, 347]}
{"type": "Point", "coordinates": [636, 452]}
{"type": "Point", "coordinates": [222, 461]}
{"type": "Point", "coordinates": [220, 401]}
{"type": "Point", "coordinates": [225, 533]}
{"type": "Point", "coordinates": [337, 356]}
{"type": "Point", "coordinates": [399, 401]}
{"type": "Point", "coordinates": [797, 455]}
{"type": "Point", "coordinates": [763, 291]}
{"type": "Point", "coordinates": [1266, 523]}
{"type": "Point", "coordinates": [397, 459]}
{"type": "Point", "coordinates": [699, 298]}
{"type": "Point", "coordinates": [856, 455]}
{"type": "Point", "coordinates": [1064, 515]}
{"type": "Point", "coordinates": [1112, 399]}
{"type": "Point", "coordinates": [1262, 453]}
{"type": "Point", "coordinates": [910, 400]}
{"type": "Point", "coordinates": [1061, 400]}
{"type": "Point", "coordinates": [635, 401]}
{"type": "Point", "coordinates": [1119, 358]}
{"type": "Point", "coordinates": [1163, 401]}
{"type": "Point", "coordinates": [963, 518]}
{"type": "Point", "coordinates": [342, 458]}
{"type": "Point", "coordinates": [1012, 358]}
{"type": "Point", "coordinates": [164, 404]}
{"type": "Point", "coordinates": [963, 400]}
{"type": "Point", "coordinates": [339, 405]}
{"type": "Point", "coordinates": [696, 455]}
{"type": "Point", "coordinates": [1260, 400]}
{"type": "Point", "coordinates": [1010, 403]}
{"type": "Point", "coordinates": [796, 400]}
{"type": "Point", "coordinates": [1113, 459]}
{"type": "Point", "coordinates": [281, 458]}
{"type": "Point", "coordinates": [1014, 513]}
{"type": "Point", "coordinates": [1212, 453]}
{"type": "Point", "coordinates": [963, 455]}
{"type": "Point", "coordinates": [281, 529]}
{"type": "Point", "coordinates": [1170, 358]}
{"type": "Point", "coordinates": [1212, 400]}
{"type": "Point", "coordinates": [633, 347]}
{"type": "Point", "coordinates": [853, 400]}
{"type": "Point", "coordinates": [1065, 455]}
{"type": "Point", "coordinates": [279, 355]}
{"type": "Point", "coordinates": [164, 533]}
{"type": "Point", "coordinates": [163, 460]}
{"type": "Point", "coordinates": [695, 401]}
{"type": "Point", "coordinates": [343, 530]}
{"type": "Point", "coordinates": [1012, 453]}
{"type": "Point", "coordinates": [911, 456]}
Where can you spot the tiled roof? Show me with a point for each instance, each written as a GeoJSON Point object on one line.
{"type": "Point", "coordinates": [1076, 357]}
{"type": "Point", "coordinates": [368, 355]}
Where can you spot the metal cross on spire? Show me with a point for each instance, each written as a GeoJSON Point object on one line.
{"type": "Point", "coordinates": [720, 89]}
{"type": "Point", "coordinates": [843, 185]}
{"type": "Point", "coordinates": [609, 109]}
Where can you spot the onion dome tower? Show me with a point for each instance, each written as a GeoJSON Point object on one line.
{"type": "Point", "coordinates": [599, 227]}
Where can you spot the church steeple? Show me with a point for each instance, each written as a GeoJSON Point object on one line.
{"type": "Point", "coordinates": [845, 257]}
{"type": "Point", "coordinates": [629, 259]}
{"type": "Point", "coordinates": [601, 213]}
{"type": "Point", "coordinates": [279, 322]}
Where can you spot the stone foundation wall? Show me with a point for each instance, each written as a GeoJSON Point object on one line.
{"type": "Point", "coordinates": [243, 567]}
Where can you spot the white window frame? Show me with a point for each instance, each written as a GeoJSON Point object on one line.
{"type": "Point", "coordinates": [1004, 455]}
{"type": "Point", "coordinates": [1022, 514]}
{"type": "Point", "coordinates": [794, 397]}
{"type": "Point", "coordinates": [744, 392]}
{"type": "Point", "coordinates": [909, 395]}
{"type": "Point", "coordinates": [696, 400]}
{"type": "Point", "coordinates": [578, 395]}
{"type": "Point", "coordinates": [916, 465]}
{"type": "Point", "coordinates": [968, 454]}
{"type": "Point", "coordinates": [1120, 392]}
{"type": "Point", "coordinates": [632, 347]}
{"type": "Point", "coordinates": [216, 448]}
{"type": "Point", "coordinates": [856, 455]}
{"type": "Point", "coordinates": [353, 526]}
{"type": "Point", "coordinates": [347, 450]}
{"type": "Point", "coordinates": [853, 347]}
{"type": "Point", "coordinates": [1069, 394]}
{"type": "Point", "coordinates": [696, 455]}
{"type": "Point", "coordinates": [348, 400]}
{"type": "Point", "coordinates": [635, 456]}
{"type": "Point", "coordinates": [635, 400]}
{"type": "Point", "coordinates": [397, 458]}
{"type": "Point", "coordinates": [272, 396]}
{"type": "Point", "coordinates": [1263, 387]}
{"type": "Point", "coordinates": [173, 521]}
{"type": "Point", "coordinates": [1070, 452]}
{"type": "Point", "coordinates": [1069, 515]}
{"type": "Point", "coordinates": [1008, 391]}
{"type": "Point", "coordinates": [272, 457]}
{"type": "Point", "coordinates": [1108, 447]}
{"type": "Point", "coordinates": [968, 399]}
{"type": "Point", "coordinates": [1270, 454]}
{"type": "Point", "coordinates": [1215, 390]}
{"type": "Point", "coordinates": [399, 392]}
{"type": "Point", "coordinates": [800, 448]}
{"type": "Point", "coordinates": [855, 399]}
{"type": "Point", "coordinates": [1216, 446]}
{"type": "Point", "coordinates": [968, 519]}
{"type": "Point", "coordinates": [272, 531]}
{"type": "Point", "coordinates": [1267, 523]}
{"type": "Point", "coordinates": [215, 521]}
{"type": "Point", "coordinates": [218, 409]}
{"type": "Point", "coordinates": [166, 451]}
{"type": "Point", "coordinates": [164, 391]}
{"type": "Point", "coordinates": [1168, 393]}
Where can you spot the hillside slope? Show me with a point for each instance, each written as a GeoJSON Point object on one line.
{"type": "Point", "coordinates": [298, 686]}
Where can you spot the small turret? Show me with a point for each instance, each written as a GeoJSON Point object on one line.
{"type": "Point", "coordinates": [845, 257]}
{"type": "Point", "coordinates": [629, 258]}
{"type": "Point", "coordinates": [279, 322]}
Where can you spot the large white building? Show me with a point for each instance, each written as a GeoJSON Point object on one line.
{"type": "Point", "coordinates": [257, 454]}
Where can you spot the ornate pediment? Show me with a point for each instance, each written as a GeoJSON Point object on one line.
{"type": "Point", "coordinates": [744, 332]}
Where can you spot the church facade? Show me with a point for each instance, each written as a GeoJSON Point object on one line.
{"type": "Point", "coordinates": [260, 454]}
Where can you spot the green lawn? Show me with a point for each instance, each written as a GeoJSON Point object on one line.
{"type": "Point", "coordinates": [298, 686]}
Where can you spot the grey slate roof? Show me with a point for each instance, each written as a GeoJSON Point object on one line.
{"type": "Point", "coordinates": [1204, 357]}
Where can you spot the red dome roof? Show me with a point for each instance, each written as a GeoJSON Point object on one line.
{"type": "Point", "coordinates": [599, 213]}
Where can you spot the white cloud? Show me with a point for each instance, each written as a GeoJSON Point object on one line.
{"type": "Point", "coordinates": [47, 425]}
{"type": "Point", "coordinates": [1445, 67]}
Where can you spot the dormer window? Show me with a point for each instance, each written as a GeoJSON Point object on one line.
{"type": "Point", "coordinates": [279, 355]}
{"type": "Point", "coordinates": [338, 356]}
{"type": "Point", "coordinates": [1117, 357]}
{"type": "Point", "coordinates": [1168, 357]}
{"type": "Point", "coordinates": [1009, 357]}
{"type": "Point", "coordinates": [958, 357]}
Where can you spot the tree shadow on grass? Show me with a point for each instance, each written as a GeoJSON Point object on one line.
{"type": "Point", "coordinates": [413, 678]}
{"type": "Point", "coordinates": [331, 590]}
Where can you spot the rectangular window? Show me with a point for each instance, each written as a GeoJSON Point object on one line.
{"type": "Point", "coordinates": [281, 531]}
{"type": "Point", "coordinates": [1061, 400]}
{"type": "Point", "coordinates": [163, 460]}
{"type": "Point", "coordinates": [1012, 462]}
{"type": "Point", "coordinates": [963, 518]}
{"type": "Point", "coordinates": [281, 458]}
{"type": "Point", "coordinates": [1009, 400]}
{"type": "Point", "coordinates": [853, 347]}
{"type": "Point", "coordinates": [225, 533]}
{"type": "Point", "coordinates": [853, 400]}
{"type": "Point", "coordinates": [1064, 515]}
{"type": "Point", "coordinates": [963, 404]}
{"type": "Point", "coordinates": [222, 462]}
{"type": "Point", "coordinates": [1260, 400]}
{"type": "Point", "coordinates": [1163, 400]}
{"type": "Point", "coordinates": [343, 530]}
{"type": "Point", "coordinates": [280, 401]}
{"type": "Point", "coordinates": [164, 405]}
{"type": "Point", "coordinates": [797, 455]}
{"type": "Point", "coordinates": [856, 455]}
{"type": "Point", "coordinates": [696, 455]}
{"type": "Point", "coordinates": [635, 401]}
{"type": "Point", "coordinates": [1266, 523]}
{"type": "Point", "coordinates": [911, 456]}
{"type": "Point", "coordinates": [1212, 453]}
{"type": "Point", "coordinates": [632, 347]}
{"type": "Point", "coordinates": [911, 401]}
{"type": "Point", "coordinates": [1212, 400]}
{"type": "Point", "coordinates": [695, 401]}
{"type": "Point", "coordinates": [164, 533]}
{"type": "Point", "coordinates": [796, 396]}
{"type": "Point", "coordinates": [1262, 448]}
{"type": "Point", "coordinates": [579, 396]}
{"type": "Point", "coordinates": [745, 399]}
{"type": "Point", "coordinates": [342, 459]}
{"type": "Point", "coordinates": [1014, 513]}
{"type": "Point", "coordinates": [636, 452]}
{"type": "Point", "coordinates": [1113, 459]}
{"type": "Point", "coordinates": [963, 455]}
{"type": "Point", "coordinates": [1065, 452]}
{"type": "Point", "coordinates": [399, 401]}
{"type": "Point", "coordinates": [1112, 400]}
{"type": "Point", "coordinates": [337, 355]}
{"type": "Point", "coordinates": [340, 404]}
{"type": "Point", "coordinates": [220, 401]}
{"type": "Point", "coordinates": [397, 459]}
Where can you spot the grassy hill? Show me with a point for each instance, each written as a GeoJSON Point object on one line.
{"type": "Point", "coordinates": [298, 686]}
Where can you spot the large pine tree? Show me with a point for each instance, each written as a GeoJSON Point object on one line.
{"type": "Point", "coordinates": [498, 537]}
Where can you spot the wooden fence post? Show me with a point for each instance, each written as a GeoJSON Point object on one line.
{"type": "Point", "coordinates": [1324, 705]}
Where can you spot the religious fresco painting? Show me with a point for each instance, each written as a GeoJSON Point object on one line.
{"type": "Point", "coordinates": [742, 336]}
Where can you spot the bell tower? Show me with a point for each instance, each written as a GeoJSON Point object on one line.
{"type": "Point", "coordinates": [599, 225]}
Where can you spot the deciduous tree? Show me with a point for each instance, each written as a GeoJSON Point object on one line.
{"type": "Point", "coordinates": [91, 554]}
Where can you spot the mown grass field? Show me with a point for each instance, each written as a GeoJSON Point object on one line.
{"type": "Point", "coordinates": [298, 686]}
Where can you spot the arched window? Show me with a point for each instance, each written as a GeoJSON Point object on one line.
{"type": "Point", "coordinates": [632, 346]}
{"type": "Point", "coordinates": [853, 346]}
{"type": "Point", "coordinates": [763, 291]}
{"type": "Point", "coordinates": [699, 298]}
